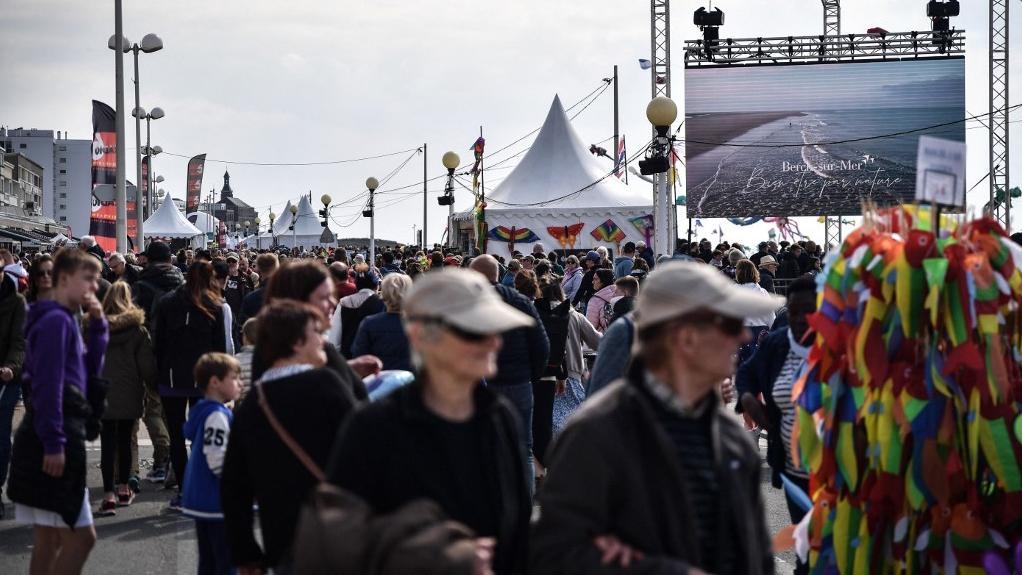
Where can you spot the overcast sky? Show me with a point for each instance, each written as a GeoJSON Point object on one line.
{"type": "Point", "coordinates": [307, 81]}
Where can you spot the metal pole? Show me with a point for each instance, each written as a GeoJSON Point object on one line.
{"type": "Point", "coordinates": [661, 216]}
{"type": "Point", "coordinates": [372, 230]}
{"type": "Point", "coordinates": [425, 198]}
{"type": "Point", "coordinates": [149, 178]}
{"type": "Point", "coordinates": [121, 198]}
{"type": "Point", "coordinates": [139, 213]}
{"type": "Point", "coordinates": [617, 134]}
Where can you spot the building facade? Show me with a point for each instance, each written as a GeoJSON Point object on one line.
{"type": "Point", "coordinates": [232, 211]}
{"type": "Point", "coordinates": [27, 184]}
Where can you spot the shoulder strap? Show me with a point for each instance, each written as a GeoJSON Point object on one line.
{"type": "Point", "coordinates": [289, 441]}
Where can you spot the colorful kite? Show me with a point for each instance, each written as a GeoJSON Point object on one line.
{"type": "Point", "coordinates": [512, 236]}
{"type": "Point", "coordinates": [477, 150]}
{"type": "Point", "coordinates": [645, 226]}
{"type": "Point", "coordinates": [566, 235]}
{"type": "Point", "coordinates": [608, 232]}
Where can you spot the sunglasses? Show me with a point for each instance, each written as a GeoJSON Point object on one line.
{"type": "Point", "coordinates": [729, 326]}
{"type": "Point", "coordinates": [463, 335]}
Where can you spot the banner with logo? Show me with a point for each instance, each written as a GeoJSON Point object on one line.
{"type": "Point", "coordinates": [103, 221]}
{"type": "Point", "coordinates": [194, 183]}
{"type": "Point", "coordinates": [144, 185]}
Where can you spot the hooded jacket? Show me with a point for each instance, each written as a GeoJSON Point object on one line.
{"type": "Point", "coordinates": [181, 335]}
{"type": "Point", "coordinates": [152, 283]}
{"type": "Point", "coordinates": [594, 309]}
{"type": "Point", "coordinates": [571, 282]}
{"type": "Point", "coordinates": [208, 427]}
{"type": "Point", "coordinates": [12, 330]}
{"type": "Point", "coordinates": [130, 365]}
{"type": "Point", "coordinates": [523, 357]}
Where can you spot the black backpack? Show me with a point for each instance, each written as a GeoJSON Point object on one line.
{"type": "Point", "coordinates": [555, 322]}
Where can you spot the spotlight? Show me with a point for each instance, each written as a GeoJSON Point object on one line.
{"type": "Point", "coordinates": [709, 22]}
{"type": "Point", "coordinates": [703, 17]}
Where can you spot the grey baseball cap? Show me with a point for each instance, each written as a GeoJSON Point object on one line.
{"type": "Point", "coordinates": [464, 299]}
{"type": "Point", "coordinates": [676, 288]}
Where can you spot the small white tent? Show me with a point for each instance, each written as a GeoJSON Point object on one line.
{"type": "Point", "coordinates": [167, 222]}
{"type": "Point", "coordinates": [307, 228]}
{"type": "Point", "coordinates": [557, 187]}
{"type": "Point", "coordinates": [206, 223]}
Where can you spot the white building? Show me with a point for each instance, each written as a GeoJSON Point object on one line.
{"type": "Point", "coordinates": [67, 173]}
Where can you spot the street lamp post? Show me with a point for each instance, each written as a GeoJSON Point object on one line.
{"type": "Point", "coordinates": [294, 233]}
{"type": "Point", "coordinates": [273, 237]}
{"type": "Point", "coordinates": [121, 193]}
{"type": "Point", "coordinates": [661, 112]}
{"type": "Point", "coordinates": [371, 184]}
{"type": "Point", "coordinates": [151, 151]}
{"type": "Point", "coordinates": [451, 162]}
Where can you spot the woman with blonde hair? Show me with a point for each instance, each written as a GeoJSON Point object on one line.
{"type": "Point", "coordinates": [747, 277]}
{"type": "Point", "coordinates": [129, 366]}
{"type": "Point", "coordinates": [382, 334]}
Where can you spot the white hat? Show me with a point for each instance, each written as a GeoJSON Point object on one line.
{"type": "Point", "coordinates": [463, 299]}
{"type": "Point", "coordinates": [679, 287]}
{"type": "Point", "coordinates": [767, 260]}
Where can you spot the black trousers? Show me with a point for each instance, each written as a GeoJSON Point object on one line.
{"type": "Point", "coordinates": [797, 514]}
{"type": "Point", "coordinates": [542, 418]}
{"type": "Point", "coordinates": [115, 441]}
{"type": "Point", "coordinates": [214, 558]}
{"type": "Point", "coordinates": [174, 412]}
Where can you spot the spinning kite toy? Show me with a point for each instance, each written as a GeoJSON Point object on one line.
{"type": "Point", "coordinates": [512, 236]}
{"type": "Point", "coordinates": [645, 226]}
{"type": "Point", "coordinates": [567, 236]}
{"type": "Point", "coordinates": [608, 232]}
{"type": "Point", "coordinates": [908, 414]}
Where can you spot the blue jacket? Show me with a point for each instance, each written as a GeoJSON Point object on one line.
{"type": "Point", "coordinates": [757, 375]}
{"type": "Point", "coordinates": [383, 335]}
{"type": "Point", "coordinates": [209, 428]}
{"type": "Point", "coordinates": [623, 266]}
{"type": "Point", "coordinates": [523, 356]}
{"type": "Point", "coordinates": [614, 354]}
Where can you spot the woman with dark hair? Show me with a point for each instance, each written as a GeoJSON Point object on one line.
{"type": "Point", "coordinates": [309, 282]}
{"type": "Point", "coordinates": [187, 323]}
{"type": "Point", "coordinates": [599, 310]}
{"type": "Point", "coordinates": [296, 394]}
{"type": "Point", "coordinates": [40, 279]}
{"type": "Point", "coordinates": [527, 284]}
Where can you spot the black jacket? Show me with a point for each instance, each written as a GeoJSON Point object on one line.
{"type": "Point", "coordinates": [311, 406]}
{"type": "Point", "coordinates": [391, 452]}
{"type": "Point", "coordinates": [334, 362]}
{"type": "Point", "coordinates": [523, 357]}
{"type": "Point", "coordinates": [614, 471]}
{"type": "Point", "coordinates": [12, 333]}
{"type": "Point", "coordinates": [585, 288]}
{"type": "Point", "coordinates": [181, 335]}
{"type": "Point", "coordinates": [757, 376]}
{"type": "Point", "coordinates": [152, 283]}
{"type": "Point", "coordinates": [766, 281]}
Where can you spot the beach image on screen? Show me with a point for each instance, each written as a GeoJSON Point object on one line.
{"type": "Point", "coordinates": [818, 139]}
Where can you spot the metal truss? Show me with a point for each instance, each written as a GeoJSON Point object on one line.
{"type": "Point", "coordinates": [831, 17]}
{"type": "Point", "coordinates": [660, 49]}
{"type": "Point", "coordinates": [1000, 198]}
{"type": "Point", "coordinates": [824, 48]}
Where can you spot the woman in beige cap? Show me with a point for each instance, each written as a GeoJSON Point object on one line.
{"type": "Point", "coordinates": [445, 437]}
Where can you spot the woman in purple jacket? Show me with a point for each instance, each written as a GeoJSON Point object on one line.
{"type": "Point", "coordinates": [48, 468]}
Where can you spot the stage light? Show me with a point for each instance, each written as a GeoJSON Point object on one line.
{"type": "Point", "coordinates": [709, 23]}
{"type": "Point", "coordinates": [703, 17]}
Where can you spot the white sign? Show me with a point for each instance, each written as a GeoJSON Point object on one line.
{"type": "Point", "coordinates": [940, 172]}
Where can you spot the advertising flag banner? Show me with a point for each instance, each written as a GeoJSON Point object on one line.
{"type": "Point", "coordinates": [103, 221]}
{"type": "Point", "coordinates": [144, 184]}
{"type": "Point", "coordinates": [194, 183]}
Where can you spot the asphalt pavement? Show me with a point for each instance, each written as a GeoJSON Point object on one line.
{"type": "Point", "coordinates": [147, 538]}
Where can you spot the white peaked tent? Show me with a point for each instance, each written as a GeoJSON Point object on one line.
{"type": "Point", "coordinates": [307, 225]}
{"type": "Point", "coordinates": [541, 193]}
{"type": "Point", "coordinates": [167, 222]}
{"type": "Point", "coordinates": [206, 223]}
{"type": "Point", "coordinates": [283, 221]}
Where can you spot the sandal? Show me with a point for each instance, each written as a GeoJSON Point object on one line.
{"type": "Point", "coordinates": [125, 497]}
{"type": "Point", "coordinates": [108, 508]}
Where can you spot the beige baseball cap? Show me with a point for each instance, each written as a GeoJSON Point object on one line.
{"type": "Point", "coordinates": [464, 299]}
{"type": "Point", "coordinates": [675, 288]}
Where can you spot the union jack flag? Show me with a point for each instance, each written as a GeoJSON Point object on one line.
{"type": "Point", "coordinates": [622, 158]}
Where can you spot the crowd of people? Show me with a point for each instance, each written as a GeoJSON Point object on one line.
{"type": "Point", "coordinates": [592, 387]}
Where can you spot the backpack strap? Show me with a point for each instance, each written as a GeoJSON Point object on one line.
{"type": "Point", "coordinates": [286, 437]}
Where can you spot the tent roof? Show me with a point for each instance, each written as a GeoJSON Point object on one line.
{"type": "Point", "coordinates": [206, 223]}
{"type": "Point", "coordinates": [559, 163]}
{"type": "Point", "coordinates": [167, 222]}
{"type": "Point", "coordinates": [283, 221]}
{"type": "Point", "coordinates": [307, 222]}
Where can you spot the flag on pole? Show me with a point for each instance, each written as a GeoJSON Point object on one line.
{"type": "Point", "coordinates": [673, 172]}
{"type": "Point", "coordinates": [645, 64]}
{"type": "Point", "coordinates": [622, 158]}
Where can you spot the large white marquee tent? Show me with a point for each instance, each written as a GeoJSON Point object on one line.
{"type": "Point", "coordinates": [167, 222]}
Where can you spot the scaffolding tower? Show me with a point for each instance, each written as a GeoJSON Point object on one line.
{"type": "Point", "coordinates": [660, 36]}
{"type": "Point", "coordinates": [831, 27]}
{"type": "Point", "coordinates": [1000, 198]}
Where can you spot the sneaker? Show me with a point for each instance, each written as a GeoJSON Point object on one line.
{"type": "Point", "coordinates": [108, 508]}
{"type": "Point", "coordinates": [125, 497]}
{"type": "Point", "coordinates": [134, 484]}
{"type": "Point", "coordinates": [175, 503]}
{"type": "Point", "coordinates": [157, 475]}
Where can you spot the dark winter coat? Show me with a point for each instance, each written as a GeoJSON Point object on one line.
{"type": "Point", "coordinates": [613, 470]}
{"type": "Point", "coordinates": [181, 335]}
{"type": "Point", "coordinates": [12, 335]}
{"type": "Point", "coordinates": [152, 284]}
{"type": "Point", "coordinates": [757, 376]}
{"type": "Point", "coordinates": [383, 335]}
{"type": "Point", "coordinates": [766, 281]}
{"type": "Point", "coordinates": [335, 362]}
{"type": "Point", "coordinates": [523, 357]}
{"type": "Point", "coordinates": [390, 453]}
{"type": "Point", "coordinates": [130, 365]}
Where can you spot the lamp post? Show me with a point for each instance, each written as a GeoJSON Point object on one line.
{"type": "Point", "coordinates": [371, 184]}
{"type": "Point", "coordinates": [273, 237]}
{"type": "Point", "coordinates": [661, 112]}
{"type": "Point", "coordinates": [451, 161]}
{"type": "Point", "coordinates": [150, 43]}
{"type": "Point", "coordinates": [140, 113]}
{"type": "Point", "coordinates": [294, 219]}
{"type": "Point", "coordinates": [121, 192]}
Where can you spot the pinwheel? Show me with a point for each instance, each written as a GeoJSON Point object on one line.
{"type": "Point", "coordinates": [645, 226]}
{"type": "Point", "coordinates": [566, 235]}
{"type": "Point", "coordinates": [512, 236]}
{"type": "Point", "coordinates": [608, 232]}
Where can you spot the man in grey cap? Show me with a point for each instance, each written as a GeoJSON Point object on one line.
{"type": "Point", "coordinates": [651, 473]}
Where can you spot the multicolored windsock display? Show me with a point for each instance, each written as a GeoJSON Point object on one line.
{"type": "Point", "coordinates": [908, 414]}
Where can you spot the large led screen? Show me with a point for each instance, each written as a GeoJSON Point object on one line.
{"type": "Point", "coordinates": [798, 140]}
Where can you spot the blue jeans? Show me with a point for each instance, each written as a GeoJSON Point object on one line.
{"type": "Point", "coordinates": [9, 396]}
{"type": "Point", "coordinates": [520, 395]}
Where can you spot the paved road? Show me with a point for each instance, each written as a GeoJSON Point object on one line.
{"type": "Point", "coordinates": [146, 538]}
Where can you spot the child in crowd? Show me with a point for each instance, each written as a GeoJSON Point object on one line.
{"type": "Point", "coordinates": [244, 357]}
{"type": "Point", "coordinates": [218, 375]}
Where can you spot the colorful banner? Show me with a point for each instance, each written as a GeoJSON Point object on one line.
{"type": "Point", "coordinates": [144, 184]}
{"type": "Point", "coordinates": [194, 183]}
{"type": "Point", "coordinates": [103, 221]}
